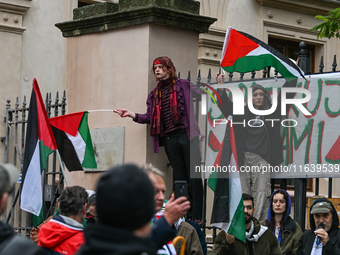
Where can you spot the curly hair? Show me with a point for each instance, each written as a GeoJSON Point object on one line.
{"type": "Point", "coordinates": [167, 66]}
{"type": "Point", "coordinates": [72, 200]}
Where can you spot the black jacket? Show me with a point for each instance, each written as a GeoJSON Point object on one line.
{"type": "Point", "coordinates": [274, 135]}
{"type": "Point", "coordinates": [308, 237]}
{"type": "Point", "coordinates": [11, 243]}
{"type": "Point", "coordinates": [105, 240]}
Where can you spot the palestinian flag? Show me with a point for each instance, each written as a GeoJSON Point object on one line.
{"type": "Point", "coordinates": [228, 211]}
{"type": "Point", "coordinates": [244, 53]}
{"type": "Point", "coordinates": [74, 141]}
{"type": "Point", "coordinates": [39, 144]}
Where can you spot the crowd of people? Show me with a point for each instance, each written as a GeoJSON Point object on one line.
{"type": "Point", "coordinates": [129, 213]}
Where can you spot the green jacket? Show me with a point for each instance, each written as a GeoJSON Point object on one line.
{"type": "Point", "coordinates": [266, 245]}
{"type": "Point", "coordinates": [290, 237]}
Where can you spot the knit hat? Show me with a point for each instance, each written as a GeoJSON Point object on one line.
{"type": "Point", "coordinates": [125, 198]}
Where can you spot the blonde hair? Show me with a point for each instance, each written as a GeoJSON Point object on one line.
{"type": "Point", "coordinates": [149, 168]}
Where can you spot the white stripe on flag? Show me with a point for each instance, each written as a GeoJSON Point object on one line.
{"type": "Point", "coordinates": [262, 51]}
{"type": "Point", "coordinates": [79, 145]}
{"type": "Point", "coordinates": [235, 195]}
{"type": "Point", "coordinates": [31, 195]}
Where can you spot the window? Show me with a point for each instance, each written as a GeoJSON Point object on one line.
{"type": "Point", "coordinates": [291, 48]}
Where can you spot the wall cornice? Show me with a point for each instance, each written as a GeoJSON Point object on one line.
{"type": "Point", "coordinates": [11, 15]}
{"type": "Point", "coordinates": [311, 7]}
{"type": "Point", "coordinates": [150, 14]}
{"type": "Point", "coordinates": [298, 29]}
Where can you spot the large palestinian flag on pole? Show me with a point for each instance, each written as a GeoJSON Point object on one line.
{"type": "Point", "coordinates": [228, 211]}
{"type": "Point", "coordinates": [74, 141]}
{"type": "Point", "coordinates": [39, 144]}
{"type": "Point", "coordinates": [244, 53]}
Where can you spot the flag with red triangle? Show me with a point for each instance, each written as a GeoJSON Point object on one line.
{"type": "Point", "coordinates": [39, 144]}
{"type": "Point", "coordinates": [73, 137]}
{"type": "Point", "coordinates": [244, 53]}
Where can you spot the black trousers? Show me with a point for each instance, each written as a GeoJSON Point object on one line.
{"type": "Point", "coordinates": [184, 155]}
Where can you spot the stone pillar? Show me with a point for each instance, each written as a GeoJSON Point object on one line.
{"type": "Point", "coordinates": [110, 50]}
{"type": "Point", "coordinates": [11, 30]}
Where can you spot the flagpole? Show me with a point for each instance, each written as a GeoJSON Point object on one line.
{"type": "Point", "coordinates": [62, 167]}
{"type": "Point", "coordinates": [101, 110]}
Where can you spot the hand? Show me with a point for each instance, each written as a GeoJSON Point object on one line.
{"type": "Point", "coordinates": [230, 239]}
{"type": "Point", "coordinates": [175, 209]}
{"type": "Point", "coordinates": [125, 113]}
{"type": "Point", "coordinates": [323, 235]}
{"type": "Point", "coordinates": [220, 78]}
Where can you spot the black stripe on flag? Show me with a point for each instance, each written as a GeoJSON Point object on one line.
{"type": "Point", "coordinates": [220, 212]}
{"type": "Point", "coordinates": [32, 135]}
{"type": "Point", "coordinates": [66, 150]}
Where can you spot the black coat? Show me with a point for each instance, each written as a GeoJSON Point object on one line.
{"type": "Point", "coordinates": [11, 243]}
{"type": "Point", "coordinates": [272, 127]}
{"type": "Point", "coordinates": [308, 237]}
{"type": "Point", "coordinates": [104, 240]}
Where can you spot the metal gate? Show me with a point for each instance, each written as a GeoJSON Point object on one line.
{"type": "Point", "coordinates": [52, 178]}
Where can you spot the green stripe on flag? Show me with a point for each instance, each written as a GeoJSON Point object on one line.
{"type": "Point", "coordinates": [84, 131]}
{"type": "Point", "coordinates": [238, 224]}
{"type": "Point", "coordinates": [259, 62]}
{"type": "Point", "coordinates": [44, 153]}
{"type": "Point", "coordinates": [212, 181]}
{"type": "Point", "coordinates": [37, 220]}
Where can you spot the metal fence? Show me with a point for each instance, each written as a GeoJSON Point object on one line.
{"type": "Point", "coordinates": [300, 185]}
{"type": "Point", "coordinates": [52, 178]}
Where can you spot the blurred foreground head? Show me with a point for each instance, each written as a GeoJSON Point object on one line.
{"type": "Point", "coordinates": [8, 176]}
{"type": "Point", "coordinates": [125, 198]}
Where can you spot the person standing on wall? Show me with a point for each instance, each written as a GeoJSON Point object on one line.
{"type": "Point", "coordinates": [258, 142]}
{"type": "Point", "coordinates": [170, 114]}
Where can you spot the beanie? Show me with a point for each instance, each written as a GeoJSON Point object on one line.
{"type": "Point", "coordinates": [125, 198]}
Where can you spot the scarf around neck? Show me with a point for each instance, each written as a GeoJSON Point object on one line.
{"type": "Point", "coordinates": [157, 118]}
{"type": "Point", "coordinates": [250, 236]}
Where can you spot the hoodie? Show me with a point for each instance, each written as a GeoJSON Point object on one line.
{"type": "Point", "coordinates": [308, 237]}
{"type": "Point", "coordinates": [292, 232]}
{"type": "Point", "coordinates": [61, 235]}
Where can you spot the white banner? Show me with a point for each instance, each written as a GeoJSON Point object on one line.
{"type": "Point", "coordinates": [311, 144]}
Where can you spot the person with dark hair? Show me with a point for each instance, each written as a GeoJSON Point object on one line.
{"type": "Point", "coordinates": [286, 230]}
{"type": "Point", "coordinates": [258, 142]}
{"type": "Point", "coordinates": [64, 233]}
{"type": "Point", "coordinates": [170, 114]}
{"type": "Point", "coordinates": [323, 237]}
{"type": "Point", "coordinates": [259, 240]}
{"type": "Point", "coordinates": [125, 206]}
{"type": "Point", "coordinates": [91, 212]}
{"type": "Point", "coordinates": [10, 242]}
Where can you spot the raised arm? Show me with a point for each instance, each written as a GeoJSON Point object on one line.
{"type": "Point", "coordinates": [227, 106]}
